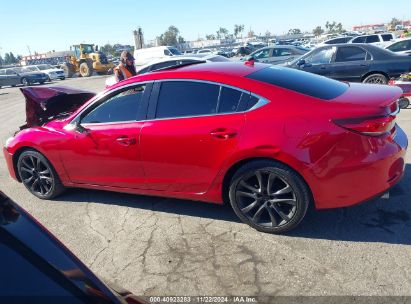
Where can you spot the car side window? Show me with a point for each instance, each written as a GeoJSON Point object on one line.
{"type": "Point", "coordinates": [400, 46]}
{"type": "Point", "coordinates": [229, 100]}
{"type": "Point", "coordinates": [285, 52]}
{"type": "Point", "coordinates": [262, 54]}
{"type": "Point", "coordinates": [322, 56]}
{"type": "Point", "coordinates": [121, 107]}
{"type": "Point", "coordinates": [2, 72]}
{"type": "Point", "coordinates": [10, 72]}
{"type": "Point", "coordinates": [163, 65]}
{"type": "Point", "coordinates": [345, 54]}
{"type": "Point", "coordinates": [373, 39]}
{"type": "Point", "coordinates": [359, 40]}
{"type": "Point", "coordinates": [186, 98]}
{"type": "Point", "coordinates": [387, 37]}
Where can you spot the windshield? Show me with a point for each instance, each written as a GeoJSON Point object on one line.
{"type": "Point", "coordinates": [45, 67]}
{"type": "Point", "coordinates": [29, 69]}
{"type": "Point", "coordinates": [87, 49]}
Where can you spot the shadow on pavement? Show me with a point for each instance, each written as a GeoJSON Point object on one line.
{"type": "Point", "coordinates": [379, 220]}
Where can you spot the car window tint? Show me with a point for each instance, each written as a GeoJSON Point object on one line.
{"type": "Point", "coordinates": [22, 274]}
{"type": "Point", "coordinates": [400, 46]}
{"type": "Point", "coordinates": [301, 82]}
{"type": "Point", "coordinates": [350, 54]}
{"type": "Point", "coordinates": [323, 56]}
{"type": "Point", "coordinates": [2, 72]}
{"type": "Point", "coordinates": [185, 98]}
{"type": "Point", "coordinates": [229, 100]}
{"type": "Point", "coordinates": [262, 54]}
{"type": "Point", "coordinates": [252, 102]}
{"type": "Point", "coordinates": [373, 39]}
{"type": "Point", "coordinates": [119, 108]}
{"type": "Point", "coordinates": [10, 72]}
{"type": "Point", "coordinates": [285, 52]}
{"type": "Point", "coordinates": [387, 37]}
{"type": "Point", "coordinates": [163, 65]}
{"type": "Point", "coordinates": [359, 40]}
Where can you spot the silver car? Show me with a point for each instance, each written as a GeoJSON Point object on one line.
{"type": "Point", "coordinates": [277, 54]}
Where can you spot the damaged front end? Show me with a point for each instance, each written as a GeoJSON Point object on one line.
{"type": "Point", "coordinates": [44, 104]}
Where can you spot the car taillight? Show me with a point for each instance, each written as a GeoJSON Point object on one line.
{"type": "Point", "coordinates": [371, 126]}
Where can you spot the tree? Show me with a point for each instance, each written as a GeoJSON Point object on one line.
{"type": "Point", "coordinates": [318, 31]}
{"type": "Point", "coordinates": [1, 61]}
{"type": "Point", "coordinates": [7, 58]}
{"type": "Point", "coordinates": [238, 29]}
{"type": "Point", "coordinates": [12, 58]}
{"type": "Point", "coordinates": [394, 22]}
{"type": "Point", "coordinates": [334, 27]}
{"type": "Point", "coordinates": [170, 37]}
{"type": "Point", "coordinates": [294, 32]}
{"type": "Point", "coordinates": [210, 37]}
{"type": "Point", "coordinates": [267, 34]}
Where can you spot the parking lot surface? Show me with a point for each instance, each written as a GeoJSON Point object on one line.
{"type": "Point", "coordinates": [158, 246]}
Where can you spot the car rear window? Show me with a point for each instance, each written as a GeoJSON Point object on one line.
{"type": "Point", "coordinates": [301, 82]}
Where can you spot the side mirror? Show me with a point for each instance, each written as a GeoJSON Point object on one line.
{"type": "Point", "coordinates": [303, 64]}
{"type": "Point", "coordinates": [79, 128]}
{"type": "Point", "coordinates": [96, 48]}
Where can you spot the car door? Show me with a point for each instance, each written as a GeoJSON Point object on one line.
{"type": "Point", "coordinates": [283, 55]}
{"type": "Point", "coordinates": [193, 128]}
{"type": "Point", "coordinates": [349, 64]}
{"type": "Point", "coordinates": [102, 147]}
{"type": "Point", "coordinates": [318, 61]}
{"type": "Point", "coordinates": [3, 78]}
{"type": "Point", "coordinates": [12, 77]}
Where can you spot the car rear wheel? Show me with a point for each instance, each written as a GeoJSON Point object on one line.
{"type": "Point", "coordinates": [269, 196]}
{"type": "Point", "coordinates": [38, 175]}
{"type": "Point", "coordinates": [376, 79]}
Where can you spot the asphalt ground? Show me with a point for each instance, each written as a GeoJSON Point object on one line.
{"type": "Point", "coordinates": [157, 246]}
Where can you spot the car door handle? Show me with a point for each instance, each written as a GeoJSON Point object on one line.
{"type": "Point", "coordinates": [126, 141]}
{"type": "Point", "coordinates": [223, 133]}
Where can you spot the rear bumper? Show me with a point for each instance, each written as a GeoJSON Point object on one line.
{"type": "Point", "coordinates": [372, 167]}
{"type": "Point", "coordinates": [9, 161]}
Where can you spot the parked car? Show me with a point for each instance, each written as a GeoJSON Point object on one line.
{"type": "Point", "coordinates": [204, 51]}
{"type": "Point", "coordinates": [277, 54]}
{"type": "Point", "coordinates": [143, 56]}
{"type": "Point", "coordinates": [380, 40]}
{"type": "Point", "coordinates": [266, 139]}
{"type": "Point", "coordinates": [15, 76]}
{"type": "Point", "coordinates": [37, 268]}
{"type": "Point", "coordinates": [354, 62]}
{"type": "Point", "coordinates": [52, 72]}
{"type": "Point", "coordinates": [337, 40]}
{"type": "Point", "coordinates": [401, 46]}
{"type": "Point", "coordinates": [174, 61]}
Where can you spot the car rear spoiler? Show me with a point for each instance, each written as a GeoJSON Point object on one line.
{"type": "Point", "coordinates": [46, 103]}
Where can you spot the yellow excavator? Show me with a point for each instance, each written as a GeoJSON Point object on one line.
{"type": "Point", "coordinates": [86, 59]}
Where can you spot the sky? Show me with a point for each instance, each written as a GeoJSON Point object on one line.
{"type": "Point", "coordinates": [45, 25]}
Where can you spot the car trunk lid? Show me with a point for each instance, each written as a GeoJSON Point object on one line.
{"type": "Point", "coordinates": [46, 103]}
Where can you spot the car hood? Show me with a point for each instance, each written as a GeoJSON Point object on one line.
{"type": "Point", "coordinates": [46, 103]}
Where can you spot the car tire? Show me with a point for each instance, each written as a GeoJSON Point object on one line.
{"type": "Point", "coordinates": [41, 82]}
{"type": "Point", "coordinates": [49, 79]}
{"type": "Point", "coordinates": [403, 102]}
{"type": "Point", "coordinates": [376, 78]}
{"type": "Point", "coordinates": [62, 78]}
{"type": "Point", "coordinates": [38, 175]}
{"type": "Point", "coordinates": [269, 196]}
{"type": "Point", "coordinates": [25, 81]}
{"type": "Point", "coordinates": [68, 69]}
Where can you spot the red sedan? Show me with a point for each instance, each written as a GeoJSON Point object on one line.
{"type": "Point", "coordinates": [268, 140]}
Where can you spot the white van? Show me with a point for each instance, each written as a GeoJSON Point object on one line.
{"type": "Point", "coordinates": [143, 56]}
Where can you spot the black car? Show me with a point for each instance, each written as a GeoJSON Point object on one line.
{"type": "Point", "coordinates": [37, 268]}
{"type": "Point", "coordinates": [354, 63]}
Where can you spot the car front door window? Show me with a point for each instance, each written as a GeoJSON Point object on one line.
{"type": "Point", "coordinates": [323, 56]}
{"type": "Point", "coordinates": [121, 107]}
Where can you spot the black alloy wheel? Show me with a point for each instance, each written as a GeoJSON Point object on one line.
{"type": "Point", "coordinates": [269, 196]}
{"type": "Point", "coordinates": [38, 175]}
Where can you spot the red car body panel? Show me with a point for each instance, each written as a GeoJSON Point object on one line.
{"type": "Point", "coordinates": [189, 158]}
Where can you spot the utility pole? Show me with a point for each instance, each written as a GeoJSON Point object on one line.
{"type": "Point", "coordinates": [29, 50]}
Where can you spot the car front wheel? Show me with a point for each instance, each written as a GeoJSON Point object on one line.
{"type": "Point", "coordinates": [269, 196]}
{"type": "Point", "coordinates": [38, 175]}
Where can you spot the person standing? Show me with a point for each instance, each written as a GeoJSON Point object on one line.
{"type": "Point", "coordinates": [126, 68]}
